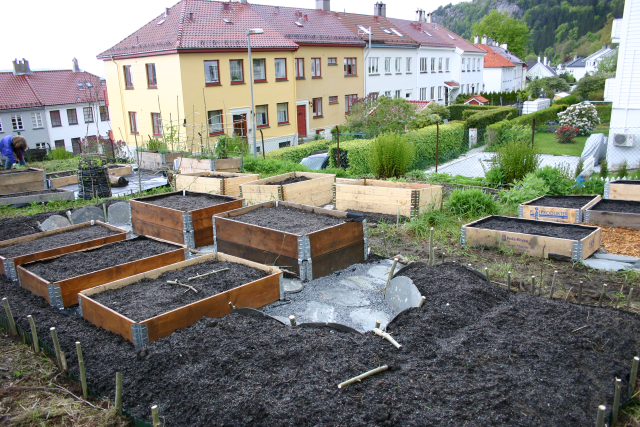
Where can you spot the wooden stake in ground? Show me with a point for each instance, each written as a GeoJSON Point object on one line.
{"type": "Point", "coordinates": [629, 299]}
{"type": "Point", "coordinates": [431, 260]}
{"type": "Point", "coordinates": [568, 293]}
{"type": "Point", "coordinates": [580, 292]}
{"type": "Point", "coordinates": [633, 376]}
{"type": "Point", "coordinates": [119, 392]}
{"type": "Point", "coordinates": [34, 334]}
{"type": "Point", "coordinates": [56, 345]}
{"type": "Point", "coordinates": [533, 285]}
{"type": "Point", "coordinates": [393, 269]}
{"type": "Point", "coordinates": [387, 337]}
{"type": "Point", "coordinates": [553, 284]}
{"type": "Point", "coordinates": [486, 273]}
{"type": "Point", "coordinates": [616, 402]}
{"type": "Point", "coordinates": [63, 361]}
{"type": "Point", "coordinates": [600, 417]}
{"type": "Point", "coordinates": [12, 322]}
{"type": "Point", "coordinates": [422, 300]}
{"type": "Point", "coordinates": [604, 291]}
{"type": "Point", "coordinates": [292, 319]}
{"type": "Point", "coordinates": [155, 417]}
{"type": "Point", "coordinates": [363, 376]}
{"type": "Point", "coordinates": [377, 324]}
{"type": "Point", "coordinates": [508, 280]}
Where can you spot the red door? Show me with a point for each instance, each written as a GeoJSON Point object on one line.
{"type": "Point", "coordinates": [302, 120]}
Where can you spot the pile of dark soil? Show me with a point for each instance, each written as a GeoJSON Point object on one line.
{"type": "Point", "coordinates": [61, 174]}
{"type": "Point", "coordinates": [571, 202]}
{"type": "Point", "coordinates": [56, 241]}
{"type": "Point", "coordinates": [622, 206]}
{"type": "Point", "coordinates": [24, 225]}
{"type": "Point", "coordinates": [151, 297]}
{"type": "Point", "coordinates": [289, 180]}
{"type": "Point", "coordinates": [219, 176]}
{"type": "Point", "coordinates": [377, 218]}
{"type": "Point", "coordinates": [90, 260]}
{"type": "Point", "coordinates": [190, 202]}
{"type": "Point", "coordinates": [539, 228]}
{"type": "Point", "coordinates": [289, 220]}
{"type": "Point", "coordinates": [31, 193]}
{"type": "Point", "coordinates": [473, 355]}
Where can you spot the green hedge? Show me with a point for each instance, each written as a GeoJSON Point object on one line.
{"type": "Point", "coordinates": [542, 116]}
{"type": "Point", "coordinates": [604, 112]}
{"type": "Point", "coordinates": [298, 152]}
{"type": "Point", "coordinates": [353, 156]}
{"type": "Point", "coordinates": [482, 119]}
{"type": "Point", "coordinates": [458, 110]}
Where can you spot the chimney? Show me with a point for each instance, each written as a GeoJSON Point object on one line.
{"type": "Point", "coordinates": [545, 60]}
{"type": "Point", "coordinates": [420, 15]}
{"type": "Point", "coordinates": [476, 39]}
{"type": "Point", "coordinates": [538, 59]}
{"type": "Point", "coordinates": [380, 9]}
{"type": "Point", "coordinates": [323, 5]}
{"type": "Point", "coordinates": [306, 18]}
{"type": "Point", "coordinates": [504, 46]}
{"type": "Point", "coordinates": [484, 39]}
{"type": "Point", "coordinates": [190, 16]}
{"type": "Point", "coordinates": [428, 21]}
{"type": "Point", "coordinates": [21, 67]}
{"type": "Point", "coordinates": [243, 1]}
{"type": "Point", "coordinates": [375, 18]}
{"type": "Point", "coordinates": [76, 68]}
{"type": "Point", "coordinates": [166, 12]}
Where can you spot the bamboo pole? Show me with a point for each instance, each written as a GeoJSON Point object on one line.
{"type": "Point", "coordinates": [580, 292]}
{"type": "Point", "coordinates": [553, 284]}
{"type": "Point", "coordinates": [34, 334]}
{"type": "Point", "coordinates": [393, 269]}
{"type": "Point", "coordinates": [119, 392]}
{"type": "Point", "coordinates": [83, 376]}
{"type": "Point", "coordinates": [155, 417]}
{"type": "Point", "coordinates": [377, 324]}
{"type": "Point", "coordinates": [616, 402]}
{"type": "Point", "coordinates": [601, 410]}
{"type": "Point", "coordinates": [363, 376]}
{"type": "Point", "coordinates": [508, 280]}
{"type": "Point", "coordinates": [56, 345]}
{"type": "Point", "coordinates": [431, 260]}
{"type": "Point", "coordinates": [629, 299]}
{"type": "Point", "coordinates": [604, 291]}
{"type": "Point", "coordinates": [633, 376]}
{"type": "Point", "coordinates": [12, 322]}
{"type": "Point", "coordinates": [387, 337]}
{"type": "Point", "coordinates": [422, 300]}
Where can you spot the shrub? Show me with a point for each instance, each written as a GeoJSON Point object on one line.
{"type": "Point", "coordinates": [579, 168]}
{"type": "Point", "coordinates": [604, 169]}
{"type": "Point", "coordinates": [604, 112]}
{"type": "Point", "coordinates": [505, 131]}
{"type": "Point", "coordinates": [567, 100]}
{"type": "Point", "coordinates": [472, 202]}
{"type": "Point", "coordinates": [482, 119]}
{"type": "Point", "coordinates": [353, 156]}
{"type": "Point", "coordinates": [59, 154]}
{"type": "Point", "coordinates": [391, 154]}
{"type": "Point", "coordinates": [565, 134]}
{"type": "Point", "coordinates": [298, 152]}
{"type": "Point", "coordinates": [527, 189]}
{"type": "Point", "coordinates": [453, 142]}
{"type": "Point", "coordinates": [516, 159]}
{"type": "Point", "coordinates": [495, 176]}
{"type": "Point", "coordinates": [583, 116]}
{"type": "Point", "coordinates": [622, 170]}
{"type": "Point", "coordinates": [268, 167]}
{"type": "Point", "coordinates": [593, 185]}
{"type": "Point", "coordinates": [457, 110]}
{"type": "Point", "coordinates": [542, 116]}
{"type": "Point", "coordinates": [430, 115]}
{"type": "Point", "coordinates": [557, 179]}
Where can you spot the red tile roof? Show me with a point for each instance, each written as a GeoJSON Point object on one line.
{"type": "Point", "coordinates": [481, 99]}
{"type": "Point", "coordinates": [416, 30]}
{"type": "Point", "coordinates": [378, 26]}
{"type": "Point", "coordinates": [199, 24]}
{"type": "Point", "coordinates": [493, 59]}
{"type": "Point", "coordinates": [44, 88]}
{"type": "Point", "coordinates": [452, 84]}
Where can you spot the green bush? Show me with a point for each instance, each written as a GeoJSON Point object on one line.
{"type": "Point", "coordinates": [542, 116]}
{"type": "Point", "coordinates": [298, 152]}
{"type": "Point", "coordinates": [567, 100]}
{"type": "Point", "coordinates": [353, 156]}
{"type": "Point", "coordinates": [507, 97]}
{"type": "Point", "coordinates": [604, 112]}
{"type": "Point", "coordinates": [558, 179]}
{"type": "Point", "coordinates": [430, 115]}
{"type": "Point", "coordinates": [604, 169]}
{"type": "Point", "coordinates": [516, 159]}
{"type": "Point", "coordinates": [471, 202]}
{"type": "Point", "coordinates": [482, 119]}
{"type": "Point", "coordinates": [593, 185]}
{"type": "Point", "coordinates": [527, 189]}
{"type": "Point", "coordinates": [456, 111]}
{"type": "Point", "coordinates": [269, 167]}
{"type": "Point", "coordinates": [390, 155]}
{"type": "Point", "coordinates": [505, 131]}
{"type": "Point", "coordinates": [453, 141]}
{"type": "Point", "coordinates": [59, 154]}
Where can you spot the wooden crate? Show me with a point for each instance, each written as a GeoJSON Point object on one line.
{"type": "Point", "coordinates": [189, 165]}
{"type": "Point", "coordinates": [622, 190]}
{"type": "Point", "coordinates": [614, 219]}
{"type": "Point", "coordinates": [309, 256]}
{"type": "Point", "coordinates": [529, 210]}
{"type": "Point", "coordinates": [387, 197]}
{"type": "Point", "coordinates": [8, 265]}
{"type": "Point", "coordinates": [64, 293]}
{"type": "Point", "coordinates": [36, 198]}
{"type": "Point", "coordinates": [228, 186]}
{"type": "Point", "coordinates": [120, 170]}
{"type": "Point", "coordinates": [154, 160]}
{"type": "Point", "coordinates": [535, 245]}
{"type": "Point", "coordinates": [62, 181]}
{"type": "Point", "coordinates": [22, 180]}
{"type": "Point", "coordinates": [317, 191]}
{"type": "Point", "coordinates": [255, 294]}
{"type": "Point", "coordinates": [193, 228]}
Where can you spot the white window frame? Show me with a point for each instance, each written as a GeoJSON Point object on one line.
{"type": "Point", "coordinates": [88, 110]}
{"type": "Point", "coordinates": [16, 122]}
{"type": "Point", "coordinates": [398, 94]}
{"type": "Point", "coordinates": [446, 65]}
{"type": "Point", "coordinates": [36, 120]}
{"type": "Point", "coordinates": [433, 93]}
{"type": "Point", "coordinates": [463, 65]}
{"type": "Point", "coordinates": [398, 64]}
{"type": "Point", "coordinates": [433, 64]}
{"type": "Point", "coordinates": [208, 65]}
{"type": "Point", "coordinates": [387, 93]}
{"type": "Point", "coordinates": [408, 64]}
{"type": "Point", "coordinates": [373, 65]}
{"type": "Point", "coordinates": [439, 65]}
{"type": "Point", "coordinates": [387, 65]}
{"type": "Point", "coordinates": [424, 64]}
{"type": "Point", "coordinates": [439, 92]}
{"type": "Point", "coordinates": [284, 116]}
{"type": "Point", "coordinates": [423, 94]}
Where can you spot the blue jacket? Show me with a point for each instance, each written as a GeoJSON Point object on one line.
{"type": "Point", "coordinates": [6, 149]}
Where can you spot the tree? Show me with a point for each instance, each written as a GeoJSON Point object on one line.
{"type": "Point", "coordinates": [589, 84]}
{"type": "Point", "coordinates": [505, 29]}
{"type": "Point", "coordinates": [379, 115]}
{"type": "Point", "coordinates": [608, 65]}
{"type": "Point", "coordinates": [567, 77]}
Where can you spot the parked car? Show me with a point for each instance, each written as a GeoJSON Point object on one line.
{"type": "Point", "coordinates": [316, 161]}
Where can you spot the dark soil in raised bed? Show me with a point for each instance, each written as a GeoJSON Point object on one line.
{"type": "Point", "coordinates": [61, 174]}
{"type": "Point", "coordinates": [218, 176]}
{"type": "Point", "coordinates": [116, 166]}
{"type": "Point", "coordinates": [571, 202]}
{"type": "Point", "coordinates": [377, 218]}
{"type": "Point", "coordinates": [622, 181]}
{"type": "Point", "coordinates": [473, 355]}
{"type": "Point", "coordinates": [151, 297]}
{"type": "Point", "coordinates": [90, 260]}
{"type": "Point", "coordinates": [190, 202]}
{"type": "Point", "coordinates": [539, 228]}
{"type": "Point", "coordinates": [289, 220]}
{"type": "Point", "coordinates": [15, 171]}
{"type": "Point", "coordinates": [24, 225]}
{"type": "Point", "coordinates": [57, 240]}
{"type": "Point", "coordinates": [289, 180]}
{"type": "Point", "coordinates": [621, 206]}
{"type": "Point", "coordinates": [32, 193]}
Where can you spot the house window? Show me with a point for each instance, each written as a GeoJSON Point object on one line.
{"type": "Point", "coordinates": [259, 72]}
{"type": "Point", "coordinates": [283, 113]}
{"type": "Point", "coordinates": [333, 100]}
{"type": "Point", "coordinates": [1, 129]}
{"type": "Point", "coordinates": [211, 73]}
{"type": "Point", "coordinates": [446, 65]}
{"type": "Point", "coordinates": [433, 92]}
{"type": "Point", "coordinates": [88, 114]}
{"type": "Point", "coordinates": [398, 64]}
{"type": "Point", "coordinates": [236, 71]}
{"type": "Point", "coordinates": [16, 122]}
{"type": "Point", "coordinates": [398, 94]}
{"type": "Point", "coordinates": [463, 65]}
{"type": "Point", "coordinates": [373, 66]}
{"type": "Point", "coordinates": [75, 145]}
{"type": "Point", "coordinates": [387, 93]}
{"type": "Point", "coordinates": [133, 122]}
{"type": "Point", "coordinates": [55, 120]}
{"type": "Point", "coordinates": [316, 71]}
{"type": "Point", "coordinates": [317, 107]}
{"type": "Point", "coordinates": [439, 65]}
{"type": "Point", "coordinates": [423, 94]}
{"type": "Point", "coordinates": [215, 122]}
{"type": "Point", "coordinates": [152, 82]}
{"type": "Point", "coordinates": [299, 68]}
{"type": "Point", "coordinates": [72, 116]}
{"type": "Point", "coordinates": [387, 65]}
{"type": "Point", "coordinates": [439, 92]}
{"type": "Point", "coordinates": [468, 64]}
{"type": "Point", "coordinates": [350, 67]}
{"type": "Point", "coordinates": [262, 116]}
{"type": "Point", "coordinates": [349, 100]}
{"type": "Point", "coordinates": [424, 66]}
{"type": "Point", "coordinates": [104, 113]}
{"type": "Point", "coordinates": [59, 143]}
{"type": "Point", "coordinates": [156, 122]}
{"type": "Point", "coordinates": [284, 144]}
{"type": "Point", "coordinates": [281, 68]}
{"type": "Point", "coordinates": [128, 82]}
{"type": "Point", "coordinates": [332, 61]}
{"type": "Point", "coordinates": [41, 145]}
{"type": "Point", "coordinates": [408, 65]}
{"type": "Point", "coordinates": [36, 120]}
{"type": "Point", "coordinates": [433, 65]}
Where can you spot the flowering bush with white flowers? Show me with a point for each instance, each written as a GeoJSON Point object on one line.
{"type": "Point", "coordinates": [583, 116]}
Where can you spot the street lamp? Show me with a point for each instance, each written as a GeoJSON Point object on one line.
{"type": "Point", "coordinates": [253, 115]}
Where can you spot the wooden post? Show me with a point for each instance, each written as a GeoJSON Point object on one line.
{"type": "Point", "coordinates": [262, 138]}
{"type": "Point", "coordinates": [533, 285]}
{"type": "Point", "coordinates": [377, 324]}
{"type": "Point", "coordinates": [580, 292]}
{"type": "Point", "coordinates": [56, 345]}
{"type": "Point", "coordinates": [154, 416]}
{"type": "Point", "coordinates": [431, 247]}
{"type": "Point", "coordinates": [83, 377]}
{"type": "Point", "coordinates": [600, 418]}
{"type": "Point", "coordinates": [292, 319]}
{"type": "Point", "coordinates": [422, 300]}
{"type": "Point", "coordinates": [34, 334]}
{"type": "Point", "coordinates": [63, 361]}
{"type": "Point", "coordinates": [553, 284]}
{"type": "Point", "coordinates": [12, 322]}
{"type": "Point", "coordinates": [616, 402]}
{"type": "Point", "coordinates": [604, 291]}
{"type": "Point", "coordinates": [633, 376]}
{"type": "Point", "coordinates": [508, 280]}
{"type": "Point", "coordinates": [338, 147]}
{"type": "Point", "coordinates": [533, 131]}
{"type": "Point", "coordinates": [119, 392]}
{"type": "Point", "coordinates": [104, 209]}
{"type": "Point", "coordinates": [486, 273]}
{"type": "Point", "coordinates": [437, 144]}
{"type": "Point", "coordinates": [393, 269]}
{"type": "Point", "coordinates": [629, 299]}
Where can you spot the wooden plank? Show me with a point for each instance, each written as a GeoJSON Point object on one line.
{"type": "Point", "coordinates": [621, 191]}
{"type": "Point", "coordinates": [38, 198]}
{"type": "Point", "coordinates": [190, 165]}
{"type": "Point", "coordinates": [254, 236]}
{"type": "Point", "coordinates": [232, 185]}
{"type": "Point", "coordinates": [310, 208]}
{"type": "Point", "coordinates": [379, 192]}
{"type": "Point", "coordinates": [105, 318]}
{"type": "Point", "coordinates": [2, 265]}
{"type": "Point", "coordinates": [122, 170]}
{"type": "Point", "coordinates": [246, 209]}
{"type": "Point", "coordinates": [615, 219]}
{"type": "Point", "coordinates": [14, 176]}
{"type": "Point", "coordinates": [275, 178]}
{"type": "Point", "coordinates": [546, 213]}
{"type": "Point", "coordinates": [312, 198]}
{"type": "Point", "coordinates": [591, 243]}
{"type": "Point", "coordinates": [195, 182]}
{"type": "Point", "coordinates": [430, 198]}
{"type": "Point", "coordinates": [337, 260]}
{"type": "Point", "coordinates": [596, 199]}
{"type": "Point", "coordinates": [33, 283]}
{"type": "Point", "coordinates": [258, 255]}
{"type": "Point", "coordinates": [202, 217]}
{"type": "Point", "coordinates": [203, 237]}
{"type": "Point", "coordinates": [22, 188]}
{"type": "Point", "coordinates": [230, 164]}
{"type": "Point", "coordinates": [143, 228]}
{"type": "Point", "coordinates": [62, 181]}
{"type": "Point", "coordinates": [333, 238]}
{"type": "Point", "coordinates": [165, 217]}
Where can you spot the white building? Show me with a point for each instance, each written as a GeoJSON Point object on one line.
{"type": "Point", "coordinates": [539, 70]}
{"type": "Point", "coordinates": [499, 73]}
{"type": "Point", "coordinates": [520, 70]}
{"type": "Point", "coordinates": [576, 67]}
{"type": "Point", "coordinates": [592, 62]}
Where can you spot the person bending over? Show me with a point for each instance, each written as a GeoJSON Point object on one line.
{"type": "Point", "coordinates": [12, 149]}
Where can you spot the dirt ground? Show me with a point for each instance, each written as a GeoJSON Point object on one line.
{"type": "Point", "coordinates": [290, 180]}
{"type": "Point", "coordinates": [190, 202]}
{"type": "Point", "coordinates": [622, 206]}
{"type": "Point", "coordinates": [572, 202]}
{"type": "Point", "coordinates": [290, 220]}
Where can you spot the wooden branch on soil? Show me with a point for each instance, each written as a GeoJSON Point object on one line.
{"type": "Point", "coordinates": [205, 275]}
{"type": "Point", "coordinates": [387, 337]}
{"type": "Point", "coordinates": [177, 282]}
{"type": "Point", "coordinates": [363, 376]}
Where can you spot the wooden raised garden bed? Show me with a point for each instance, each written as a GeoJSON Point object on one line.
{"type": "Point", "coordinates": [314, 189]}
{"type": "Point", "coordinates": [536, 238]}
{"type": "Point", "coordinates": [189, 165]}
{"type": "Point", "coordinates": [154, 160]}
{"type": "Point", "coordinates": [9, 263]}
{"type": "Point", "coordinates": [60, 179]}
{"type": "Point", "coordinates": [309, 241]}
{"type": "Point", "coordinates": [225, 183]}
{"type": "Point", "coordinates": [22, 180]}
{"type": "Point", "coordinates": [164, 321]}
{"type": "Point", "coordinates": [162, 216]}
{"type": "Point", "coordinates": [64, 292]}
{"type": "Point", "coordinates": [120, 170]}
{"type": "Point", "coordinates": [36, 197]}
{"type": "Point", "coordinates": [387, 197]}
{"type": "Point", "coordinates": [615, 213]}
{"type": "Point", "coordinates": [568, 209]}
{"type": "Point", "coordinates": [622, 190]}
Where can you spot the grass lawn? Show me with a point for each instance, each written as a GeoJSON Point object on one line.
{"type": "Point", "coordinates": [548, 144]}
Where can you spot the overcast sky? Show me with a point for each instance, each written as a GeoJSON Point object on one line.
{"type": "Point", "coordinates": [49, 34]}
